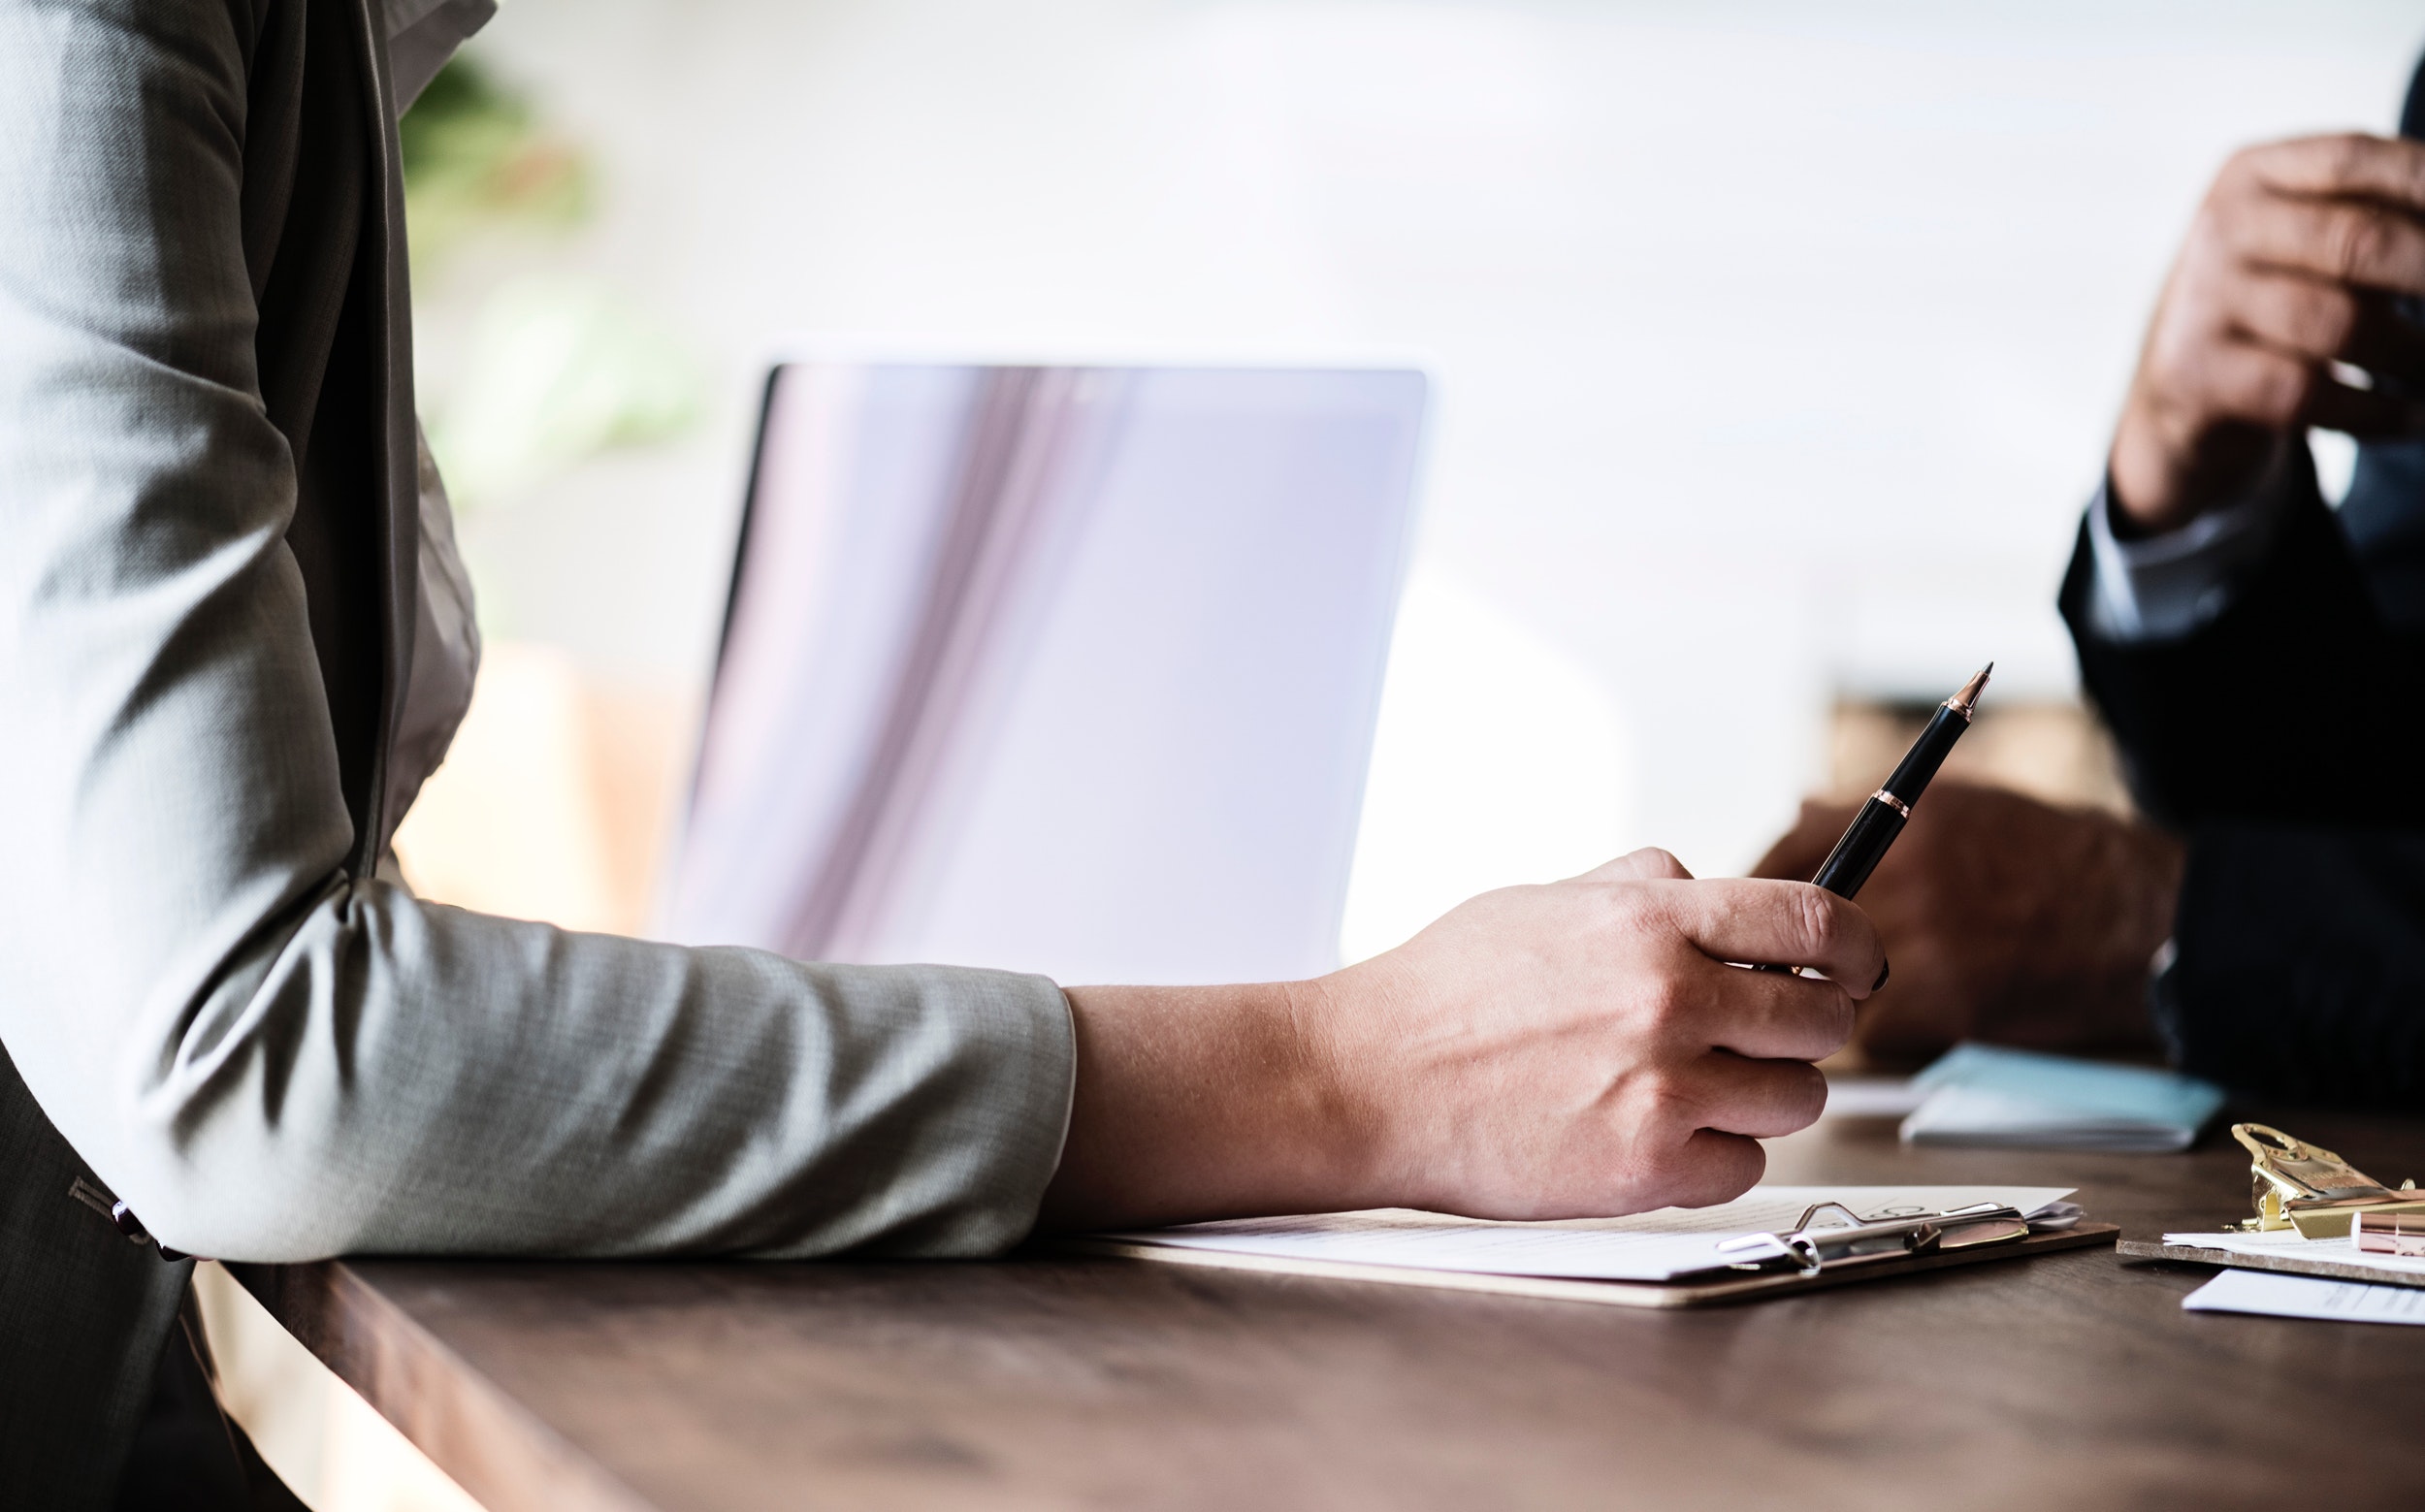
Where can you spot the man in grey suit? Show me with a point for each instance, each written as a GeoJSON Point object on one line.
{"type": "Point", "coordinates": [233, 641]}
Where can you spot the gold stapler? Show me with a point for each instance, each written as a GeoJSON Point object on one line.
{"type": "Point", "coordinates": [2298, 1185]}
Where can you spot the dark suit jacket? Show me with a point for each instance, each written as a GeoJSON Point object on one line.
{"type": "Point", "coordinates": [2286, 739]}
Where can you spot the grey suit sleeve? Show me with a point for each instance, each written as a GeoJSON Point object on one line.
{"type": "Point", "coordinates": [268, 1059]}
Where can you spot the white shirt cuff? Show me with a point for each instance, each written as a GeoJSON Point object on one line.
{"type": "Point", "coordinates": [2165, 587]}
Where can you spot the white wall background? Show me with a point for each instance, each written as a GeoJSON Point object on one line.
{"type": "Point", "coordinates": [1776, 343]}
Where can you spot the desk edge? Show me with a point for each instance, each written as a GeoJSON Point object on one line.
{"type": "Point", "coordinates": [508, 1459]}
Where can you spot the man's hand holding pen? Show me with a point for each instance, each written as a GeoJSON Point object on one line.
{"type": "Point", "coordinates": [1629, 1067]}
{"type": "Point", "coordinates": [1580, 1048]}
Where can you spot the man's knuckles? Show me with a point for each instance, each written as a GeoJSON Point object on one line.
{"type": "Point", "coordinates": [1670, 1008]}
{"type": "Point", "coordinates": [1625, 919]}
{"type": "Point", "coordinates": [1820, 924]}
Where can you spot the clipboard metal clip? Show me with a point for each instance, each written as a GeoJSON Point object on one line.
{"type": "Point", "coordinates": [2303, 1186]}
{"type": "Point", "coordinates": [1832, 1233]}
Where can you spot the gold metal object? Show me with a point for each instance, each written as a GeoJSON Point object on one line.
{"type": "Point", "coordinates": [2388, 1233]}
{"type": "Point", "coordinates": [1892, 802]}
{"type": "Point", "coordinates": [2305, 1186]}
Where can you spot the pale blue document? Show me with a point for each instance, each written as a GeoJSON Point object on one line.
{"type": "Point", "coordinates": [1984, 1094]}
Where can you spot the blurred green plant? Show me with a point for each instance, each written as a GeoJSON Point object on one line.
{"type": "Point", "coordinates": [476, 159]}
{"type": "Point", "coordinates": [555, 366]}
{"type": "Point", "coordinates": [560, 368]}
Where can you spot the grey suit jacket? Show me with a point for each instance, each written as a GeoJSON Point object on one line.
{"type": "Point", "coordinates": [211, 1003]}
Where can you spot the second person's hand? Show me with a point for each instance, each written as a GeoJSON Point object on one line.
{"type": "Point", "coordinates": [2290, 266]}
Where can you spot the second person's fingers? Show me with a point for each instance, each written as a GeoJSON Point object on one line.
{"type": "Point", "coordinates": [2339, 240]}
{"type": "Point", "coordinates": [2306, 318]}
{"type": "Point", "coordinates": [2390, 169]}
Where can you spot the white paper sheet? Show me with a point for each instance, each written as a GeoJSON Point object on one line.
{"type": "Point", "coordinates": [1873, 1097]}
{"type": "Point", "coordinates": [2276, 1296]}
{"type": "Point", "coordinates": [1651, 1246]}
{"type": "Point", "coordinates": [2290, 1242]}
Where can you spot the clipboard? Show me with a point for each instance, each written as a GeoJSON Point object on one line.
{"type": "Point", "coordinates": [1695, 1292]}
{"type": "Point", "coordinates": [2306, 1187]}
{"type": "Point", "coordinates": [2341, 1267]}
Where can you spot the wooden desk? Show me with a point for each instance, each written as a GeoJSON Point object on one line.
{"type": "Point", "coordinates": [2070, 1381]}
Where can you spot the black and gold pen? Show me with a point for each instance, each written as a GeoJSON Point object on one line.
{"type": "Point", "coordinates": [1879, 819]}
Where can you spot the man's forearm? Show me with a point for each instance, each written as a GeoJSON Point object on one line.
{"type": "Point", "coordinates": [1201, 1103]}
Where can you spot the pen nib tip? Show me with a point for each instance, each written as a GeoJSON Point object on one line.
{"type": "Point", "coordinates": [1967, 700]}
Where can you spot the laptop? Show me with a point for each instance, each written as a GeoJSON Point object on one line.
{"type": "Point", "coordinates": [1063, 669]}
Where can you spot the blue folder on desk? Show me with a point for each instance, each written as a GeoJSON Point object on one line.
{"type": "Point", "coordinates": [1984, 1094]}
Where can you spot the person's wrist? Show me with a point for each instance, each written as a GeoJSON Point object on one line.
{"type": "Point", "coordinates": [2145, 477]}
{"type": "Point", "coordinates": [2166, 470]}
{"type": "Point", "coordinates": [1339, 1109]}
{"type": "Point", "coordinates": [1199, 1103]}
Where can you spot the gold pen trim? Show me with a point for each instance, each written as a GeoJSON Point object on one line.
{"type": "Point", "coordinates": [1966, 701]}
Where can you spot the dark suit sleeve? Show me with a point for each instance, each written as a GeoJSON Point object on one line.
{"type": "Point", "coordinates": [2283, 737]}
{"type": "Point", "coordinates": [2300, 971]}
{"type": "Point", "coordinates": [2298, 703]}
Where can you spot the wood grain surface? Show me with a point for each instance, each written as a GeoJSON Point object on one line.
{"type": "Point", "coordinates": [2072, 1381]}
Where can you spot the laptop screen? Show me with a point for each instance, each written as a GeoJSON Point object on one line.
{"type": "Point", "coordinates": [1071, 669]}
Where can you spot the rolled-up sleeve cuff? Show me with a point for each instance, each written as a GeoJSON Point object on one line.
{"type": "Point", "coordinates": [2166, 587]}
